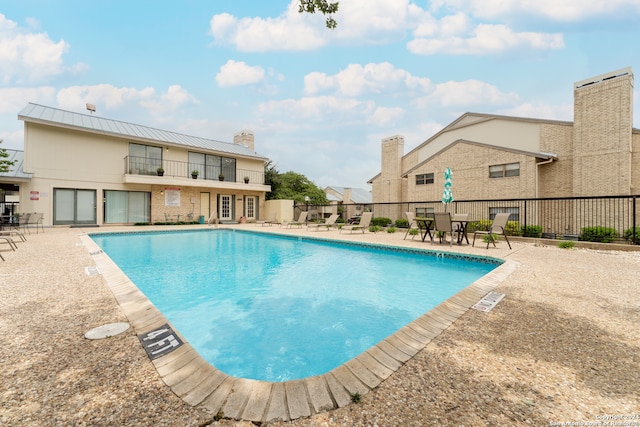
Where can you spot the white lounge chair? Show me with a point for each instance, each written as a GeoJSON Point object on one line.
{"type": "Point", "coordinates": [270, 221]}
{"type": "Point", "coordinates": [365, 220]}
{"type": "Point", "coordinates": [330, 222]}
{"type": "Point", "coordinates": [302, 219]}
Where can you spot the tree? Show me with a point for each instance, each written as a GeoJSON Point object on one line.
{"type": "Point", "coordinates": [4, 164]}
{"type": "Point", "coordinates": [322, 6]}
{"type": "Point", "coordinates": [292, 186]}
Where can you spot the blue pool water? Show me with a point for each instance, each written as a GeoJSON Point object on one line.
{"type": "Point", "coordinates": [279, 308]}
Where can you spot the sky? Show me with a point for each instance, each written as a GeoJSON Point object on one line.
{"type": "Point", "coordinates": [319, 101]}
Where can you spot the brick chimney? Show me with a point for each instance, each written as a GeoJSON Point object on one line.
{"type": "Point", "coordinates": [245, 138]}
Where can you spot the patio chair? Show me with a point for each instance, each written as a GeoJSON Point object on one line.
{"type": "Point", "coordinates": [412, 224]}
{"type": "Point", "coordinates": [302, 219]}
{"type": "Point", "coordinates": [32, 219]}
{"type": "Point", "coordinates": [22, 221]}
{"type": "Point", "coordinates": [498, 226]}
{"type": "Point", "coordinates": [443, 225]}
{"type": "Point", "coordinates": [330, 222]}
{"type": "Point", "coordinates": [365, 220]}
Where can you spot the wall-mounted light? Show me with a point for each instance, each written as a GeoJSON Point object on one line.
{"type": "Point", "coordinates": [161, 192]}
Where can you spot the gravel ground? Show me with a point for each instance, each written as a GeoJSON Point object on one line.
{"type": "Point", "coordinates": [563, 346]}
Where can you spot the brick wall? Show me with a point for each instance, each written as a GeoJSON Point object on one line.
{"type": "Point", "coordinates": [602, 137]}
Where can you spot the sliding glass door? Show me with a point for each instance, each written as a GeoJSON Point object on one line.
{"type": "Point", "coordinates": [74, 206]}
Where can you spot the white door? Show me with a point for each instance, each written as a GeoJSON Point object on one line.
{"type": "Point", "coordinates": [225, 208]}
{"type": "Point", "coordinates": [251, 207]}
{"type": "Point", "coordinates": [204, 205]}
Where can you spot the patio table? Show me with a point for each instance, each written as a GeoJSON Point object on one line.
{"type": "Point", "coordinates": [425, 225]}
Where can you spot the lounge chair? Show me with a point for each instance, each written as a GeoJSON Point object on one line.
{"type": "Point", "coordinates": [8, 240]}
{"type": "Point", "coordinates": [412, 224]}
{"type": "Point", "coordinates": [330, 222]}
{"type": "Point", "coordinates": [363, 225]}
{"type": "Point", "coordinates": [272, 220]}
{"type": "Point", "coordinates": [12, 233]}
{"type": "Point", "coordinates": [498, 226]}
{"type": "Point", "coordinates": [302, 219]}
{"type": "Point", "coordinates": [443, 226]}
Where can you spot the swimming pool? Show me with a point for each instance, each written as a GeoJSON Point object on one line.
{"type": "Point", "coordinates": [278, 308]}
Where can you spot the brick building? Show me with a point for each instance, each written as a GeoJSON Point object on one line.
{"type": "Point", "coordinates": [498, 157]}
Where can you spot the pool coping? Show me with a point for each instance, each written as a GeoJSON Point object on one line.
{"type": "Point", "coordinates": [198, 383]}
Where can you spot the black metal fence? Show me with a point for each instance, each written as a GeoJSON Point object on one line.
{"type": "Point", "coordinates": [555, 218]}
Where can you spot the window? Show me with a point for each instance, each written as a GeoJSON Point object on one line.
{"type": "Point", "coordinates": [144, 159]}
{"type": "Point", "coordinates": [501, 171]}
{"type": "Point", "coordinates": [126, 207]}
{"type": "Point", "coordinates": [423, 179]}
{"type": "Point", "coordinates": [424, 212]}
{"type": "Point", "coordinates": [514, 213]}
{"type": "Point", "coordinates": [210, 166]}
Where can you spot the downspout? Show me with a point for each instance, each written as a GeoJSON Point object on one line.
{"type": "Point", "coordinates": [546, 162]}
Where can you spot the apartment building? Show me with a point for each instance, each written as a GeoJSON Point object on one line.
{"type": "Point", "coordinates": [497, 157]}
{"type": "Point", "coordinates": [80, 170]}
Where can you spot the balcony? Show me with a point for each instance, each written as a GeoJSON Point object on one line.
{"type": "Point", "coordinates": [144, 170]}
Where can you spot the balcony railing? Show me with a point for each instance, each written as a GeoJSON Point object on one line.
{"type": "Point", "coordinates": [171, 168]}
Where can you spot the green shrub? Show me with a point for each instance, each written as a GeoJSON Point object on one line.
{"type": "Point", "coordinates": [567, 244]}
{"type": "Point", "coordinates": [380, 221]}
{"type": "Point", "coordinates": [513, 228]}
{"type": "Point", "coordinates": [598, 234]}
{"type": "Point", "coordinates": [413, 231]}
{"type": "Point", "coordinates": [391, 230]}
{"type": "Point", "coordinates": [482, 225]}
{"type": "Point", "coordinates": [402, 223]}
{"type": "Point", "coordinates": [532, 231]}
{"type": "Point", "coordinates": [374, 228]}
{"type": "Point", "coordinates": [629, 233]}
{"type": "Point", "coordinates": [487, 238]}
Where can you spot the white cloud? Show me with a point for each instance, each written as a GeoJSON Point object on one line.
{"type": "Point", "coordinates": [13, 100]}
{"type": "Point", "coordinates": [486, 39]}
{"type": "Point", "coordinates": [289, 32]}
{"type": "Point", "coordinates": [28, 57]}
{"type": "Point", "coordinates": [465, 94]}
{"type": "Point", "coordinates": [318, 109]}
{"type": "Point", "coordinates": [108, 97]}
{"type": "Point", "coordinates": [542, 111]}
{"type": "Point", "coordinates": [235, 73]}
{"type": "Point", "coordinates": [555, 10]}
{"type": "Point", "coordinates": [383, 116]}
{"type": "Point", "coordinates": [372, 78]}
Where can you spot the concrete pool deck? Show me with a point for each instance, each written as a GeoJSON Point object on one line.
{"type": "Point", "coordinates": [51, 375]}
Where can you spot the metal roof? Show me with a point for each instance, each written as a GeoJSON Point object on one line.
{"type": "Point", "coordinates": [358, 195]}
{"type": "Point", "coordinates": [16, 173]}
{"type": "Point", "coordinates": [36, 113]}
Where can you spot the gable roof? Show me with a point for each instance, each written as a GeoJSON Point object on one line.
{"type": "Point", "coordinates": [16, 172]}
{"type": "Point", "coordinates": [358, 195]}
{"type": "Point", "coordinates": [469, 119]}
{"type": "Point", "coordinates": [35, 113]}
